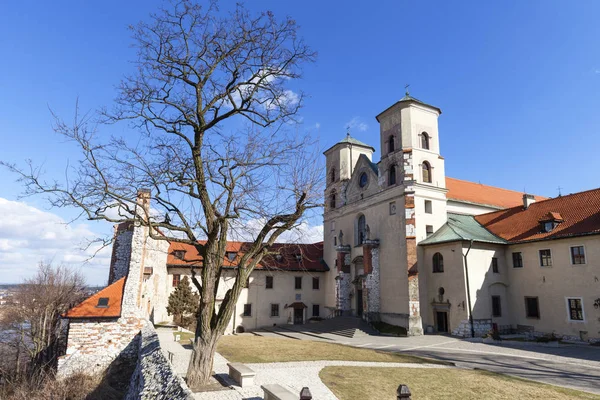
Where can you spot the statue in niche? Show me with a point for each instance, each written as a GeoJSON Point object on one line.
{"type": "Point", "coordinates": [367, 232]}
{"type": "Point", "coordinates": [341, 238]}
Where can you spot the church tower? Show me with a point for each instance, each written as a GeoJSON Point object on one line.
{"type": "Point", "coordinates": [411, 158]}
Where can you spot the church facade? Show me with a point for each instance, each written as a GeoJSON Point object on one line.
{"type": "Point", "coordinates": [414, 248]}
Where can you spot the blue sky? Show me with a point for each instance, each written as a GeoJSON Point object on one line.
{"type": "Point", "coordinates": [518, 84]}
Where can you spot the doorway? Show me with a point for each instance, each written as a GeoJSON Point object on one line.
{"type": "Point", "coordinates": [298, 316]}
{"type": "Point", "coordinates": [359, 302]}
{"type": "Point", "coordinates": [441, 321]}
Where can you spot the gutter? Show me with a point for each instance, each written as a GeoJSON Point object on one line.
{"type": "Point", "coordinates": [468, 289]}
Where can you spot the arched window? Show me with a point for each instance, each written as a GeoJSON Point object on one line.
{"type": "Point", "coordinates": [438, 262]}
{"type": "Point", "coordinates": [392, 175]}
{"type": "Point", "coordinates": [361, 229]}
{"type": "Point", "coordinates": [426, 172]}
{"type": "Point", "coordinates": [332, 175]}
{"type": "Point", "coordinates": [391, 144]}
{"type": "Point", "coordinates": [332, 200]}
{"type": "Point", "coordinates": [425, 140]}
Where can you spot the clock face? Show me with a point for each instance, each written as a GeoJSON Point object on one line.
{"type": "Point", "coordinates": [364, 179]}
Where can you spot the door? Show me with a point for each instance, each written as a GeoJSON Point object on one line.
{"type": "Point", "coordinates": [298, 316]}
{"type": "Point", "coordinates": [359, 302]}
{"type": "Point", "coordinates": [442, 321]}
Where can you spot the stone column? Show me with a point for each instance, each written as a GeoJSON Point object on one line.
{"type": "Point", "coordinates": [371, 291]}
{"type": "Point", "coordinates": [343, 284]}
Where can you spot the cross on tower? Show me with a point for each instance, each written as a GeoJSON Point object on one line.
{"type": "Point", "coordinates": [559, 194]}
{"type": "Point", "coordinates": [406, 89]}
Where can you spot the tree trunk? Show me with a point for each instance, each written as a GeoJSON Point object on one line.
{"type": "Point", "coordinates": [201, 364]}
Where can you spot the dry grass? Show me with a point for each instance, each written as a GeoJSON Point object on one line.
{"type": "Point", "coordinates": [76, 387]}
{"type": "Point", "coordinates": [184, 337]}
{"type": "Point", "coordinates": [348, 383]}
{"type": "Point", "coordinates": [256, 349]}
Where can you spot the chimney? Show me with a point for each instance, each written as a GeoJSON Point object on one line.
{"type": "Point", "coordinates": [143, 200]}
{"type": "Point", "coordinates": [528, 199]}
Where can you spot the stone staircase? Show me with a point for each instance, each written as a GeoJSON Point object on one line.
{"type": "Point", "coordinates": [350, 327]}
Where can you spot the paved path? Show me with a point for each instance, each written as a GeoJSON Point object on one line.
{"type": "Point", "coordinates": [292, 375]}
{"type": "Point", "coordinates": [573, 366]}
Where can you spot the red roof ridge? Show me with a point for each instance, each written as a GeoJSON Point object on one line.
{"type": "Point", "coordinates": [497, 187]}
{"type": "Point", "coordinates": [88, 307]}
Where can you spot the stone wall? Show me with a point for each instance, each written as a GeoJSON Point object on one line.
{"type": "Point", "coordinates": [154, 377]}
{"type": "Point", "coordinates": [121, 252]}
{"type": "Point", "coordinates": [343, 287]}
{"type": "Point", "coordinates": [481, 327]}
{"type": "Point", "coordinates": [93, 344]}
{"type": "Point", "coordinates": [371, 287]}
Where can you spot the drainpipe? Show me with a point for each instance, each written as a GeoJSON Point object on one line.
{"type": "Point", "coordinates": [469, 290]}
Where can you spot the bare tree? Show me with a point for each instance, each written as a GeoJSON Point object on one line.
{"type": "Point", "coordinates": [34, 316]}
{"type": "Point", "coordinates": [211, 97]}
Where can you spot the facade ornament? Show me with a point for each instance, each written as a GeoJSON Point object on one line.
{"type": "Point", "coordinates": [367, 232]}
{"type": "Point", "coordinates": [341, 238]}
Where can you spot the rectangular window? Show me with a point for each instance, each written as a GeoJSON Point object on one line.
{"type": "Point", "coordinates": [332, 226]}
{"type": "Point", "coordinates": [517, 260]}
{"type": "Point", "coordinates": [428, 207]}
{"type": "Point", "coordinates": [575, 309]}
{"type": "Point", "coordinates": [247, 310]}
{"type": "Point", "coordinates": [495, 268]}
{"type": "Point", "coordinates": [269, 284]}
{"type": "Point", "coordinates": [532, 307]}
{"type": "Point", "coordinates": [429, 230]}
{"type": "Point", "coordinates": [176, 279]}
{"type": "Point", "coordinates": [335, 240]}
{"type": "Point", "coordinates": [315, 310]}
{"type": "Point", "coordinates": [496, 307]}
{"type": "Point", "coordinates": [577, 255]}
{"type": "Point", "coordinates": [316, 283]}
{"type": "Point", "coordinates": [298, 282]}
{"type": "Point", "coordinates": [393, 208]}
{"type": "Point", "coordinates": [274, 310]}
{"type": "Point", "coordinates": [545, 258]}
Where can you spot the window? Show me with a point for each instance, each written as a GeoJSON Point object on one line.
{"type": "Point", "coordinates": [426, 172]}
{"type": "Point", "coordinates": [391, 144]}
{"type": "Point", "coordinates": [332, 175]}
{"type": "Point", "coordinates": [548, 226]}
{"type": "Point", "coordinates": [176, 279]}
{"type": "Point", "coordinates": [316, 283]}
{"type": "Point", "coordinates": [269, 283]}
{"type": "Point", "coordinates": [361, 230]}
{"type": "Point", "coordinates": [247, 310]}
{"type": "Point", "coordinates": [335, 240]}
{"type": "Point", "coordinates": [230, 255]}
{"type": "Point", "coordinates": [575, 306]}
{"type": "Point", "coordinates": [332, 225]}
{"type": "Point", "coordinates": [577, 255]}
{"type": "Point", "coordinates": [298, 282]}
{"type": "Point", "coordinates": [315, 310]}
{"type": "Point", "coordinates": [278, 257]}
{"type": "Point", "coordinates": [428, 230]}
{"type": "Point", "coordinates": [179, 254]}
{"type": "Point", "coordinates": [392, 175]}
{"type": "Point", "coordinates": [496, 307]}
{"type": "Point", "coordinates": [298, 257]}
{"type": "Point", "coordinates": [517, 260]}
{"type": "Point", "coordinates": [425, 141]}
{"type": "Point", "coordinates": [545, 258]}
{"type": "Point", "coordinates": [495, 269]}
{"type": "Point", "coordinates": [428, 207]}
{"type": "Point", "coordinates": [274, 310]}
{"type": "Point", "coordinates": [332, 199]}
{"type": "Point", "coordinates": [392, 208]}
{"type": "Point", "coordinates": [438, 262]}
{"type": "Point", "coordinates": [532, 307]}
{"type": "Point", "coordinates": [363, 180]}
{"type": "Point", "coordinates": [102, 302]}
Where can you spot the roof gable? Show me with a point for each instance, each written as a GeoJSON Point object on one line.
{"type": "Point", "coordinates": [462, 228]}
{"type": "Point", "coordinates": [580, 214]}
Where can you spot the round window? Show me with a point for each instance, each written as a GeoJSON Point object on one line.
{"type": "Point", "coordinates": [364, 179]}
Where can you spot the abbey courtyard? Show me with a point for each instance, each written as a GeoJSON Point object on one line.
{"type": "Point", "coordinates": [404, 246]}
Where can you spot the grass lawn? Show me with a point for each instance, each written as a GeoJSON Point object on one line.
{"type": "Point", "coordinates": [257, 349]}
{"type": "Point", "coordinates": [349, 383]}
{"type": "Point", "coordinates": [184, 337]}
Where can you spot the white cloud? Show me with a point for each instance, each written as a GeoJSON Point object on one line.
{"type": "Point", "coordinates": [29, 235]}
{"type": "Point", "coordinates": [356, 124]}
{"type": "Point", "coordinates": [317, 125]}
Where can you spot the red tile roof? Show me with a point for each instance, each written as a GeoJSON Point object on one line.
{"type": "Point", "coordinates": [88, 308]}
{"type": "Point", "coordinates": [312, 256]}
{"type": "Point", "coordinates": [477, 193]}
{"type": "Point", "coordinates": [580, 212]}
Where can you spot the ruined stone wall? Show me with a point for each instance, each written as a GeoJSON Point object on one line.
{"type": "Point", "coordinates": [121, 252]}
{"type": "Point", "coordinates": [93, 344]}
{"type": "Point", "coordinates": [154, 377]}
